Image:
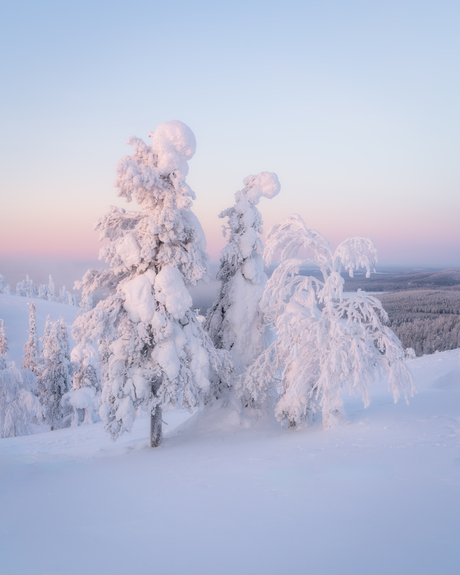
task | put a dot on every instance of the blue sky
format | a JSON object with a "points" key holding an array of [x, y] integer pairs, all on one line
{"points": [[353, 104]]}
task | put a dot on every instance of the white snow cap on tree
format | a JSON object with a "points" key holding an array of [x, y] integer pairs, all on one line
{"points": [[174, 143], [265, 184]]}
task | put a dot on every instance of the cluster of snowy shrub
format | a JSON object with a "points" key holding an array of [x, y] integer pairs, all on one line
{"points": [[27, 288], [291, 343], [39, 393]]}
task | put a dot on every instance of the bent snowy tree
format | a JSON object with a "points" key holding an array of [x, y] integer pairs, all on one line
{"points": [[152, 348], [325, 342], [234, 322]]}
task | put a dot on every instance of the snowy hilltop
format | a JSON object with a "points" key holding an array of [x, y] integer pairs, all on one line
{"points": [[379, 495]]}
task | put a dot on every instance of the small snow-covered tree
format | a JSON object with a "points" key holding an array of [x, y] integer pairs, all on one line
{"points": [[31, 358], [2, 283], [42, 291], [65, 296], [234, 322], [55, 379], [19, 407], [3, 339], [51, 296], [22, 288], [152, 348], [64, 339], [325, 342]]}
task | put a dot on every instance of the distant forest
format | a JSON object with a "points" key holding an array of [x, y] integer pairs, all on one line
{"points": [[423, 306], [425, 320]]}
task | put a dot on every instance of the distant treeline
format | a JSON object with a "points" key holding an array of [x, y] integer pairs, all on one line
{"points": [[425, 320]]}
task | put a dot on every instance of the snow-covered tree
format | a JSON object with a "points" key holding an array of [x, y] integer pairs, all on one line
{"points": [[65, 296], [234, 322], [3, 339], [51, 290], [152, 348], [64, 339], [19, 407], [31, 358], [56, 376], [42, 291], [2, 283], [87, 302], [22, 288], [325, 342]]}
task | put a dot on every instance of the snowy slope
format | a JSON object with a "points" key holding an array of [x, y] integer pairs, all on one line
{"points": [[380, 495], [15, 313]]}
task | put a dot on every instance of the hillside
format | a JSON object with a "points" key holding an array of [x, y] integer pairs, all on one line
{"points": [[379, 495]]}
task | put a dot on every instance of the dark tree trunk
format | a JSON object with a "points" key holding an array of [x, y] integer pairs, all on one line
{"points": [[156, 421], [156, 431]]}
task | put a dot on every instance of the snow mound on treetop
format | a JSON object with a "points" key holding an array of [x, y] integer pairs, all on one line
{"points": [[265, 184], [174, 143]]}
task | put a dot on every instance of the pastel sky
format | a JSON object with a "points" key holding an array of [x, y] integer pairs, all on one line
{"points": [[354, 104]]}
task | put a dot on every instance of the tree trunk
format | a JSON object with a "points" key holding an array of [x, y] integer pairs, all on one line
{"points": [[156, 421], [156, 432]]}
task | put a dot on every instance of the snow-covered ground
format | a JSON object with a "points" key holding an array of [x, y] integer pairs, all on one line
{"points": [[380, 495]]}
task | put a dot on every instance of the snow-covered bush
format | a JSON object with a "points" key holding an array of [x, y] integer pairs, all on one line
{"points": [[325, 343], [234, 322], [85, 405], [86, 388], [152, 348], [55, 379]]}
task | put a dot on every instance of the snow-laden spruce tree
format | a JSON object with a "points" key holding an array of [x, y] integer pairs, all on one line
{"points": [[325, 343], [31, 359], [55, 378], [50, 292], [19, 406], [234, 322], [152, 348]]}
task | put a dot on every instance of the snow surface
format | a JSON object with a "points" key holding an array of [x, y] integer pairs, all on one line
{"points": [[377, 496]]}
